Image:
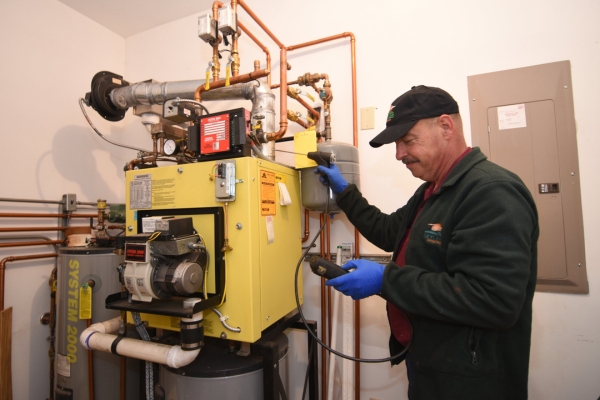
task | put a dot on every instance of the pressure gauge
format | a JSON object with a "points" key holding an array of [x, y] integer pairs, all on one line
{"points": [[169, 147]]}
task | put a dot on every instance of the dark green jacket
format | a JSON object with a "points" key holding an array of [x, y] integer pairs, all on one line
{"points": [[468, 282]]}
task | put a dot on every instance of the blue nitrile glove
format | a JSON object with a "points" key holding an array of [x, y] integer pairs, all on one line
{"points": [[334, 176], [366, 280]]}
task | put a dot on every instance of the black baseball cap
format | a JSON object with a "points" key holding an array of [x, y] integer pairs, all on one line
{"points": [[420, 102]]}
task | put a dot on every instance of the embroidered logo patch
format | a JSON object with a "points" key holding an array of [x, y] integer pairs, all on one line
{"points": [[434, 234], [390, 114]]}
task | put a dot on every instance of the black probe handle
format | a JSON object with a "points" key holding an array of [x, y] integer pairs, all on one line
{"points": [[320, 157], [325, 268]]}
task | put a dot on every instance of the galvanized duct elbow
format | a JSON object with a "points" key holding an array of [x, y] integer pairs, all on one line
{"points": [[148, 93]]}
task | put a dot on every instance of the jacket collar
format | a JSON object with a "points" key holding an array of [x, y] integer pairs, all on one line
{"points": [[474, 157]]}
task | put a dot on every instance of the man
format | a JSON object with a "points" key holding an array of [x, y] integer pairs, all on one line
{"points": [[464, 257]]}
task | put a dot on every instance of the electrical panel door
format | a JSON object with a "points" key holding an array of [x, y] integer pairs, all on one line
{"points": [[523, 119]]}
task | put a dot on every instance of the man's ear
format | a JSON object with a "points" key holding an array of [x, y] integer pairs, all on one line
{"points": [[447, 124]]}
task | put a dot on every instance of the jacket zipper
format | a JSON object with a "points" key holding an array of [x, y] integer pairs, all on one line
{"points": [[474, 343]]}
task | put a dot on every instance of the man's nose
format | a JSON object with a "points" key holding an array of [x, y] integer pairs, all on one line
{"points": [[400, 150]]}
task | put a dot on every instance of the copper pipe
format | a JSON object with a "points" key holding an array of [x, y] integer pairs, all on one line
{"points": [[294, 95], [282, 98], [353, 60], [293, 117], [323, 319], [236, 79], [355, 142], [311, 110], [146, 157], [257, 20], [16, 258], [216, 68], [26, 215], [306, 226], [21, 244], [90, 359], [34, 229], [289, 83], [235, 54], [283, 65], [262, 46]]}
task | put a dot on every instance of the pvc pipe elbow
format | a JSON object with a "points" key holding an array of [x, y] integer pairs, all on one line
{"points": [[177, 357]]}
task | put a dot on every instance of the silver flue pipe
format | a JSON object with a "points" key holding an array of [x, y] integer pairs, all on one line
{"points": [[258, 92]]}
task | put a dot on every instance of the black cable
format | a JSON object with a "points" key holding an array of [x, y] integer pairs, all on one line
{"points": [[337, 353]]}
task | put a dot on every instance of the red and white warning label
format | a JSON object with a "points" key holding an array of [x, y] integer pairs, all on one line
{"points": [[214, 134]]}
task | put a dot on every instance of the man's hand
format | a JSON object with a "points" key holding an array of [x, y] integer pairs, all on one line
{"points": [[366, 280], [333, 176]]}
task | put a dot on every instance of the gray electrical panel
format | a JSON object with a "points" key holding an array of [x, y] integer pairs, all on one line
{"points": [[523, 120]]}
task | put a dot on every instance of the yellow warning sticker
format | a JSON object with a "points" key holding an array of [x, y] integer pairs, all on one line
{"points": [[280, 178], [268, 194], [85, 302]]}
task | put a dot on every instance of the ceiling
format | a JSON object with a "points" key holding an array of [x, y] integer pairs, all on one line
{"points": [[128, 17]]}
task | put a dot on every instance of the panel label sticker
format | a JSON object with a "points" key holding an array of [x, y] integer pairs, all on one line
{"points": [[140, 192], [511, 117]]}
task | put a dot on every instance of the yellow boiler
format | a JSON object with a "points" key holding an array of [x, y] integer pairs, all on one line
{"points": [[250, 222]]}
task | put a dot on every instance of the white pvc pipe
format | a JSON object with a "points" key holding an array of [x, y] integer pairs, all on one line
{"points": [[100, 336]]}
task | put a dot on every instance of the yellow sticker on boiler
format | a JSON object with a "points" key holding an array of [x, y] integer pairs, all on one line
{"points": [[280, 178], [85, 302], [268, 194]]}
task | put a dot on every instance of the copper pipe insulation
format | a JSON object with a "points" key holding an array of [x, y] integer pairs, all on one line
{"points": [[16, 258], [263, 48], [26, 215], [306, 227], [90, 360]]}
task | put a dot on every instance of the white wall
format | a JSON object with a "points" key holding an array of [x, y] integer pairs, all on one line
{"points": [[49, 55], [399, 44]]}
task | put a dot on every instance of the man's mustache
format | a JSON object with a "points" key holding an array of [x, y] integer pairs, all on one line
{"points": [[409, 160]]}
